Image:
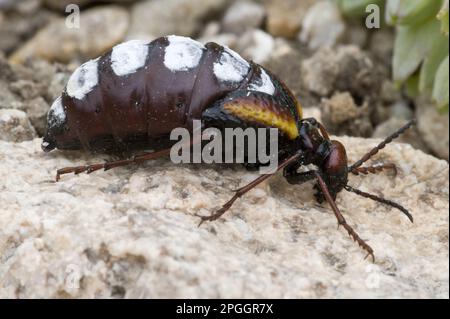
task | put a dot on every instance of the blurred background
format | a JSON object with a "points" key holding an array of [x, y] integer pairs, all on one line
{"points": [[362, 67]]}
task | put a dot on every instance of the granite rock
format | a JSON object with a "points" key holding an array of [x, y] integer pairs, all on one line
{"points": [[242, 16], [323, 25], [155, 18], [131, 232], [57, 42], [433, 127], [15, 126], [284, 17]]}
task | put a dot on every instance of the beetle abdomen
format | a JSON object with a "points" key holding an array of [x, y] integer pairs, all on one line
{"points": [[142, 90]]}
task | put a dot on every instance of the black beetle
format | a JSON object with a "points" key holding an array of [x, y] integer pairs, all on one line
{"points": [[134, 95]]}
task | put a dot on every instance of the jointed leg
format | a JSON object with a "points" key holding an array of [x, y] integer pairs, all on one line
{"points": [[341, 219], [380, 200], [380, 146], [299, 178], [108, 165], [374, 169], [241, 191]]}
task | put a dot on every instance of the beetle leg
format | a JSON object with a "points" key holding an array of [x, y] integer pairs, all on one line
{"points": [[241, 191], [382, 145], [137, 159], [108, 165], [374, 169], [299, 178], [341, 219]]}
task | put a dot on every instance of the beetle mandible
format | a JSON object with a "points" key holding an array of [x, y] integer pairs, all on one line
{"points": [[134, 95]]}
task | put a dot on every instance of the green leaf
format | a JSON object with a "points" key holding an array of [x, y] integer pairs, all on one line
{"points": [[440, 89], [412, 44], [356, 8], [412, 85], [411, 12], [443, 17], [432, 61]]}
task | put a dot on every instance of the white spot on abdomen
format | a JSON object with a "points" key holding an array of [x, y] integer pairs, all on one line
{"points": [[182, 53], [83, 80], [56, 115], [127, 57], [263, 84], [231, 67]]}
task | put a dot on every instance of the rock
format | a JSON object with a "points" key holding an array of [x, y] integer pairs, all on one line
{"points": [[15, 126], [242, 16], [62, 4], [132, 233], [37, 109], [355, 34], [57, 84], [345, 68], [341, 115], [7, 98], [382, 45], [6, 4], [211, 29], [284, 17], [27, 89], [256, 45], [56, 42], [211, 33], [7, 75], [285, 62], [20, 24], [155, 18], [226, 39], [433, 127], [391, 102], [31, 88], [411, 136], [322, 26], [21, 6]]}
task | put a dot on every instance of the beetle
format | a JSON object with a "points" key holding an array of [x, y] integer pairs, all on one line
{"points": [[134, 95]]}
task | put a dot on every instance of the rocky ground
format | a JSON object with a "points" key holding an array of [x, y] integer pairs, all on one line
{"points": [[130, 232]]}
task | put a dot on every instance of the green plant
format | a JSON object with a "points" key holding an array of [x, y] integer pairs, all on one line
{"points": [[421, 56]]}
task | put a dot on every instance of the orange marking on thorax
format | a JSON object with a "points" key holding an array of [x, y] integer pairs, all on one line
{"points": [[263, 112]]}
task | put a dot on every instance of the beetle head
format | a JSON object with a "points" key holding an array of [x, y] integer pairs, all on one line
{"points": [[328, 155], [334, 167]]}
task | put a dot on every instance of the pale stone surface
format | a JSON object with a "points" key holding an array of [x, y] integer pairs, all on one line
{"points": [[15, 126], [433, 127], [100, 29], [322, 26], [242, 16], [345, 68], [284, 17], [130, 232], [342, 115], [155, 18], [256, 45]]}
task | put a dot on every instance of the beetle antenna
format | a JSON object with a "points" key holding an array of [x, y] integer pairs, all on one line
{"points": [[380, 200], [386, 141]]}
